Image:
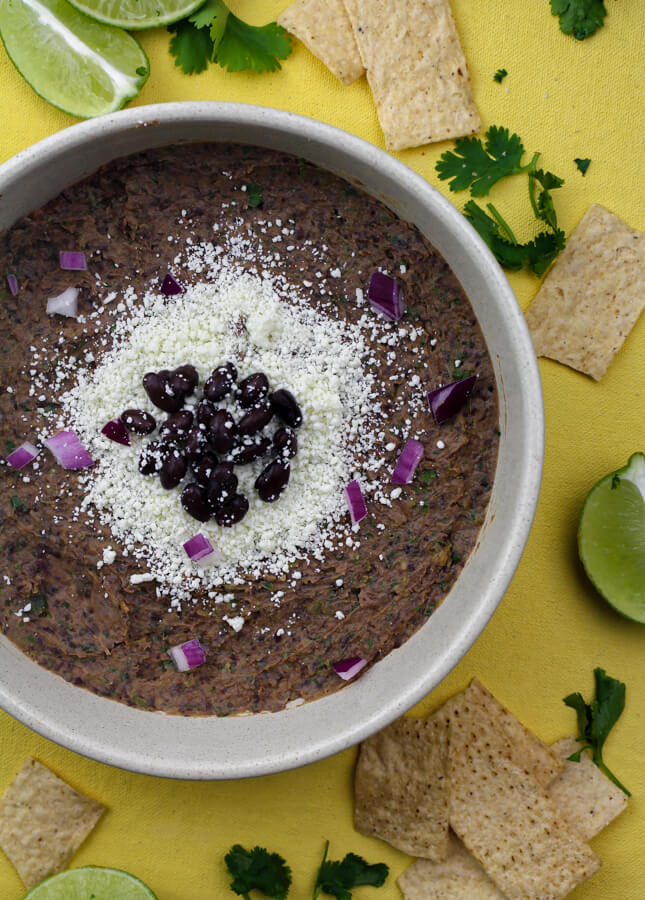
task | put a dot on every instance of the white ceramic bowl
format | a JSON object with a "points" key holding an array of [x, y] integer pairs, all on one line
{"points": [[207, 748]]}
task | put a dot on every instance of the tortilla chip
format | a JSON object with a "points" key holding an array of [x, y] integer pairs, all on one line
{"points": [[416, 70], [325, 29], [458, 877], [401, 790], [583, 794], [43, 822], [505, 818], [592, 296], [523, 748]]}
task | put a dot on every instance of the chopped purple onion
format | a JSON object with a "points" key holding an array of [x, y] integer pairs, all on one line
{"points": [[407, 462], [386, 296], [347, 668], [201, 551], [69, 451], [170, 286], [116, 431], [446, 401], [355, 501], [22, 455], [65, 304], [12, 281], [72, 261], [187, 656]]}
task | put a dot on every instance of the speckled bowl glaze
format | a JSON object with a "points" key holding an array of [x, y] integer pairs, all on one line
{"points": [[210, 747]]}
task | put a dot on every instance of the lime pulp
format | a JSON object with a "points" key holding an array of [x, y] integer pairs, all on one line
{"points": [[137, 14], [611, 538], [79, 65], [91, 882]]}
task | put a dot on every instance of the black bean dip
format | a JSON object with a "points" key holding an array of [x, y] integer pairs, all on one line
{"points": [[271, 635]]}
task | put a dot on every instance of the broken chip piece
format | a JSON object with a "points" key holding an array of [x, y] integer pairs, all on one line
{"points": [[592, 296], [43, 822]]}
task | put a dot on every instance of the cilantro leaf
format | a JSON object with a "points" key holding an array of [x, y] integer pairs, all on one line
{"points": [[338, 878], [500, 75], [191, 46], [252, 47], [211, 11], [582, 164], [260, 870], [536, 255], [17, 504], [255, 194], [581, 18], [595, 720], [478, 167]]}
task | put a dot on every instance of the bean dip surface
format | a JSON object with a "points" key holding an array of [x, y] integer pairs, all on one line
{"points": [[273, 257]]}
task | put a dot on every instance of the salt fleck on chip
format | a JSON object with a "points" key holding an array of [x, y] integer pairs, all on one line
{"points": [[43, 822], [592, 296]]}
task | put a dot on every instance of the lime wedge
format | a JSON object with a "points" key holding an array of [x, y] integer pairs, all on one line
{"points": [[82, 67], [611, 538], [137, 14], [91, 882]]}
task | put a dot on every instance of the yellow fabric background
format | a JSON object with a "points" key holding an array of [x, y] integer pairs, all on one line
{"points": [[566, 99]]}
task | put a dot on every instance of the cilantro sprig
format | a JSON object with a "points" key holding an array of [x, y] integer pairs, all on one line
{"points": [[260, 870], [339, 877], [596, 719], [477, 166], [581, 18], [214, 34]]}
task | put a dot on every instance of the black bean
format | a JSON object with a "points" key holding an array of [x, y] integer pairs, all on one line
{"points": [[286, 408], [249, 448], [222, 431], [195, 443], [161, 393], [191, 375], [253, 388], [255, 419], [139, 421], [203, 468], [285, 443], [177, 425], [193, 499], [233, 512], [220, 382], [180, 384], [272, 481], [205, 412], [151, 458], [221, 488], [173, 469]]}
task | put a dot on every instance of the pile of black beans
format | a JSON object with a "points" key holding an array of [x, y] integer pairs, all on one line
{"points": [[204, 442]]}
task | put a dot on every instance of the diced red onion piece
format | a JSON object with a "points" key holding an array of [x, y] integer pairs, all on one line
{"points": [[386, 296], [201, 551], [170, 286], [22, 455], [69, 451], [355, 501], [347, 668], [407, 462], [72, 261], [12, 281], [446, 401], [116, 431], [65, 304], [187, 656]]}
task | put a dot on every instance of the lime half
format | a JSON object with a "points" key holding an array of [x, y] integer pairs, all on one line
{"points": [[137, 14], [82, 67], [91, 882], [611, 538]]}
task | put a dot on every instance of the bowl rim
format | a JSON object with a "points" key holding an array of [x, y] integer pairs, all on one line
{"points": [[243, 746]]}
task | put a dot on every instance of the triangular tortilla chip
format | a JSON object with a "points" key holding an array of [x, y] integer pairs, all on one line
{"points": [[458, 877], [325, 29]]}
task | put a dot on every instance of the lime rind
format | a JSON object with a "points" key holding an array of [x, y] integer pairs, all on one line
{"points": [[135, 15], [611, 538], [97, 882], [80, 66]]}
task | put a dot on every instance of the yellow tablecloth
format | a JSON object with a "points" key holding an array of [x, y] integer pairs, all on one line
{"points": [[566, 99]]}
